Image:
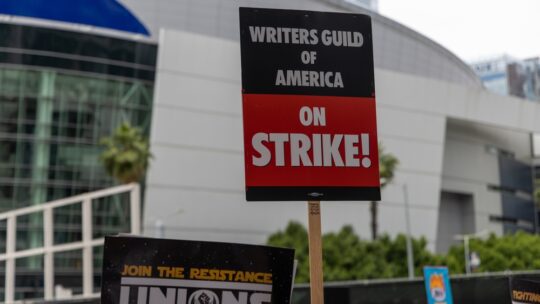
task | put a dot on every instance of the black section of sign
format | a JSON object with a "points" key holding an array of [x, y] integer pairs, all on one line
{"points": [[524, 291], [122, 251], [312, 193], [261, 61]]}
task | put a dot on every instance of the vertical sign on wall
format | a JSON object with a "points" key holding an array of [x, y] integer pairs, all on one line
{"points": [[308, 95], [437, 283]]}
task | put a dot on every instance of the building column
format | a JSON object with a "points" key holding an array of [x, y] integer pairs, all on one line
{"points": [[41, 156]]}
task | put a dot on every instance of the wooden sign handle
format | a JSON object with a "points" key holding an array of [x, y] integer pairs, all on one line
{"points": [[315, 253]]}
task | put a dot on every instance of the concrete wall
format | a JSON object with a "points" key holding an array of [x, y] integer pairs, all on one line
{"points": [[456, 217], [396, 47], [195, 185], [473, 154], [469, 168], [196, 182]]}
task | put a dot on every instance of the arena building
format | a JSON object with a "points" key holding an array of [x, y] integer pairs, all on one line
{"points": [[69, 77], [465, 153]]}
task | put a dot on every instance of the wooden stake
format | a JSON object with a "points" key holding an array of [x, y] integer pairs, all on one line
{"points": [[315, 253]]}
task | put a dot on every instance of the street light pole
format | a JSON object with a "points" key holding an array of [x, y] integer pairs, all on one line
{"points": [[466, 250], [467, 255], [410, 253]]}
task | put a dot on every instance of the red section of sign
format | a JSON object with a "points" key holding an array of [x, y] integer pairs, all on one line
{"points": [[351, 117]]}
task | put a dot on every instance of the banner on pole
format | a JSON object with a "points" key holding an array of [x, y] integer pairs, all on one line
{"points": [[437, 284]]}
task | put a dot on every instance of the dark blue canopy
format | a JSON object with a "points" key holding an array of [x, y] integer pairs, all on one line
{"points": [[101, 13]]}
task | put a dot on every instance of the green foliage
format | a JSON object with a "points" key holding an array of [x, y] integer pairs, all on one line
{"points": [[126, 155], [520, 251], [295, 236], [347, 257], [387, 165]]}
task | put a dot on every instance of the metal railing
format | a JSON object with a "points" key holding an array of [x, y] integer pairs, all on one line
{"points": [[48, 249]]}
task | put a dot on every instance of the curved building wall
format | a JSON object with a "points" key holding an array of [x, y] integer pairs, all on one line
{"points": [[396, 47], [196, 182], [60, 93]]}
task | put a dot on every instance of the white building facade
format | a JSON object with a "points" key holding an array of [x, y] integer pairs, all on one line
{"points": [[464, 153]]}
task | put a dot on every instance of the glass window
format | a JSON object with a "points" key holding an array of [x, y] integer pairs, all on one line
{"points": [[51, 124]]}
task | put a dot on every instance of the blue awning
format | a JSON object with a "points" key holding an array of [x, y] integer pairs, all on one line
{"points": [[108, 14]]}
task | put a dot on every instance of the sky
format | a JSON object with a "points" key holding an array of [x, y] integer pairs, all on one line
{"points": [[473, 29]]}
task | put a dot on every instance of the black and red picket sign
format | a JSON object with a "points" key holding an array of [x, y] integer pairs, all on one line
{"points": [[310, 130]]}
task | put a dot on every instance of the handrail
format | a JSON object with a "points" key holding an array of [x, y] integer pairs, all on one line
{"points": [[48, 249], [68, 201]]}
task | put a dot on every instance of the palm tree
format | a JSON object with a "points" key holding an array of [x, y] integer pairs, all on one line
{"points": [[387, 166], [126, 155]]}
